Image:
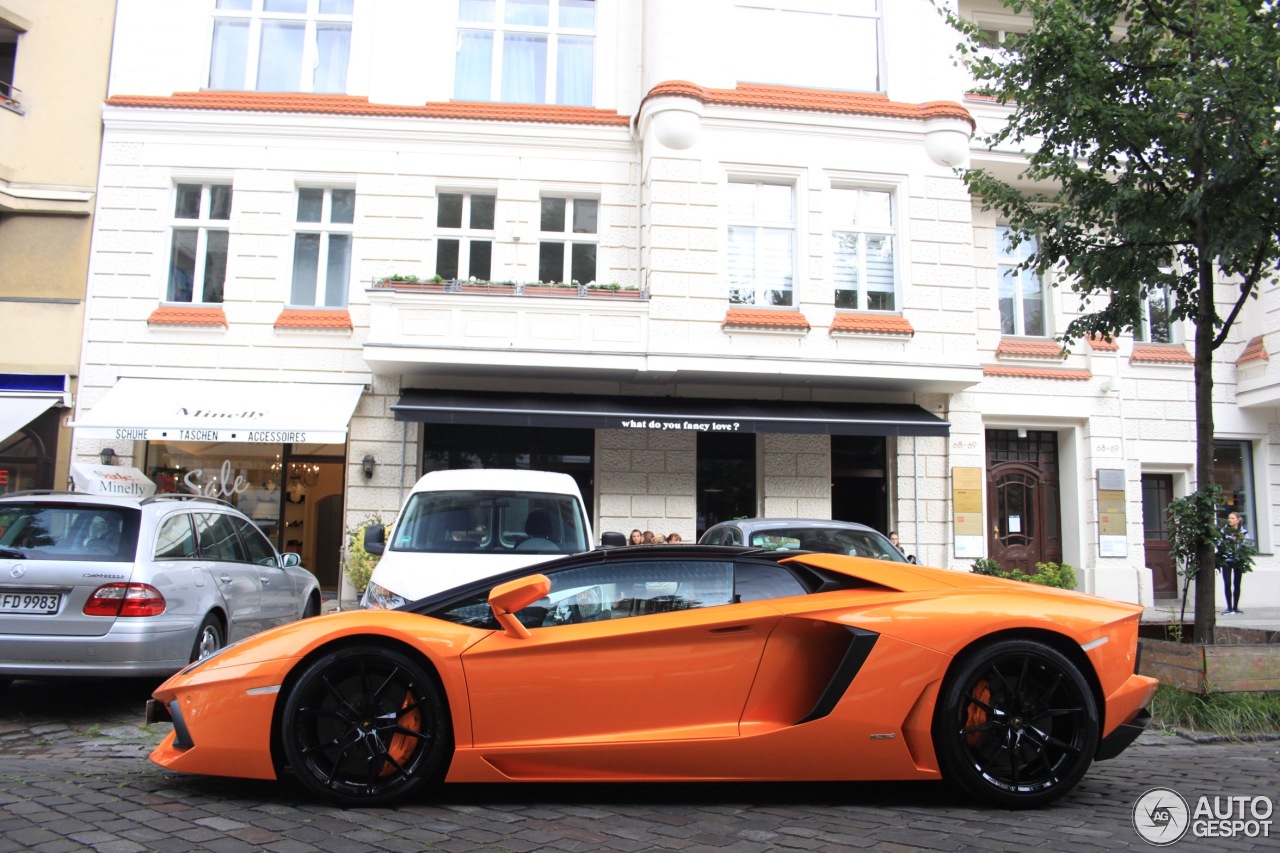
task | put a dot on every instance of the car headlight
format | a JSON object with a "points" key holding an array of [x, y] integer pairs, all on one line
{"points": [[380, 598]]}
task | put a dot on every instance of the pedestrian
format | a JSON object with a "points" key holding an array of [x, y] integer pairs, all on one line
{"points": [[1234, 558], [893, 537], [646, 538], [673, 538], [637, 538], [659, 539]]}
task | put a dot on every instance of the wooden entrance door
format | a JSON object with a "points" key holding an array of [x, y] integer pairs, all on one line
{"points": [[1024, 509], [1157, 491]]}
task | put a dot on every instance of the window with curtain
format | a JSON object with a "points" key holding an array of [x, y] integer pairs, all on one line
{"points": [[526, 51], [1020, 292], [567, 240], [281, 45], [322, 247], [1233, 471], [832, 44], [464, 245], [863, 265], [198, 246], [761, 242], [1156, 325]]}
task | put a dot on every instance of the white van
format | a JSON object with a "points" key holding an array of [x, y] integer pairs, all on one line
{"points": [[465, 524]]}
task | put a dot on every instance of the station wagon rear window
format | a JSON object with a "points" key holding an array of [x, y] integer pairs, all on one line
{"points": [[65, 531]]}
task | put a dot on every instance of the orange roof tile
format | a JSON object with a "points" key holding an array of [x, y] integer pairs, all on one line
{"points": [[184, 315], [292, 102], [1255, 350], [873, 324], [1035, 372], [813, 100], [307, 318], [1104, 344], [765, 318], [1025, 348], [1161, 354]]}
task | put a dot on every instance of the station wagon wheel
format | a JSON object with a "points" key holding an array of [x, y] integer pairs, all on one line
{"points": [[1016, 724], [365, 725], [208, 639]]}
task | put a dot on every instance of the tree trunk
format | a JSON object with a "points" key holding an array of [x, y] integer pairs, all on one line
{"points": [[1206, 599]]}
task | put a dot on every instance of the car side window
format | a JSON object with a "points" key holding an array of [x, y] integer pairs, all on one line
{"points": [[218, 539], [177, 539], [764, 581], [256, 545]]}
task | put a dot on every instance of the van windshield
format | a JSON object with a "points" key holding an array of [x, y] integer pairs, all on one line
{"points": [[491, 522]]}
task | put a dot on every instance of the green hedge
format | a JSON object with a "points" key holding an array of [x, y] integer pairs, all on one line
{"points": [[1046, 574]]}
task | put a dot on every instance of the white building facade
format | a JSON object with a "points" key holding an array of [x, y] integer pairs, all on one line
{"points": [[342, 242]]}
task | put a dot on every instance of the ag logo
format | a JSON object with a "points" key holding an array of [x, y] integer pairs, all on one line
{"points": [[1161, 816]]}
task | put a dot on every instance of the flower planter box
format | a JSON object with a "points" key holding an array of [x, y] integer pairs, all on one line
{"points": [[605, 293], [496, 289], [550, 291], [1220, 668], [415, 286]]}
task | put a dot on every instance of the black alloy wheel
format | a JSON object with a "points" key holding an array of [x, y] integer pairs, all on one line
{"points": [[365, 725], [1016, 724]]}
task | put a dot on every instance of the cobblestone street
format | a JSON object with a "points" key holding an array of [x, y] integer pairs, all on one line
{"points": [[74, 776]]}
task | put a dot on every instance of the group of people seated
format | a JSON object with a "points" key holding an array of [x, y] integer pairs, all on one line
{"points": [[648, 537]]}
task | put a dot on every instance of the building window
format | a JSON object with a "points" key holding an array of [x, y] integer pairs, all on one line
{"points": [[838, 43], [526, 51], [281, 45], [568, 240], [464, 248], [8, 62], [1020, 292], [761, 243], [1156, 325], [199, 247], [1233, 471], [322, 247], [864, 250]]}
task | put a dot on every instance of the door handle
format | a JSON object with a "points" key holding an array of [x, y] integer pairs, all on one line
{"points": [[265, 581], [225, 578]]}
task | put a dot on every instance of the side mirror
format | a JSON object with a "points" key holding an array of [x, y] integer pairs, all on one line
{"points": [[289, 559], [505, 599], [612, 539], [375, 539]]}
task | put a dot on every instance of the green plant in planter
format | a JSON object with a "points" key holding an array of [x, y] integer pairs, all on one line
{"points": [[360, 563], [405, 278], [1046, 574]]}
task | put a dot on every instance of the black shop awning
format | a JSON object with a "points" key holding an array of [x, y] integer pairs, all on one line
{"points": [[666, 413]]}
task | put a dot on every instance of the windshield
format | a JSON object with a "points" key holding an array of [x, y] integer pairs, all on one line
{"points": [[491, 522], [63, 531], [855, 543]]}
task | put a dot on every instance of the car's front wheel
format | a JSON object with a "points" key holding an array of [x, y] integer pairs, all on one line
{"points": [[1016, 724], [366, 725]]}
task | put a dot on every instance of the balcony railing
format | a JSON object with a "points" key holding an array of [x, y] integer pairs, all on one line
{"points": [[10, 96]]}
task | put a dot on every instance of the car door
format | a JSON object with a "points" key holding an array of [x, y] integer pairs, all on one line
{"points": [[235, 577], [279, 600], [629, 651]]}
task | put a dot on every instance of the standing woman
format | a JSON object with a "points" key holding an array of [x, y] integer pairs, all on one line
{"points": [[1235, 557]]}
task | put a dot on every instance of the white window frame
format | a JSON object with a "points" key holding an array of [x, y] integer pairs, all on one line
{"points": [[861, 234], [466, 234], [325, 229], [1173, 329], [759, 225], [255, 15], [568, 237], [498, 29], [1006, 265], [202, 224]]}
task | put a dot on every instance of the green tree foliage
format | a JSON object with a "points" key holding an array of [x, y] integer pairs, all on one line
{"points": [[1153, 123]]}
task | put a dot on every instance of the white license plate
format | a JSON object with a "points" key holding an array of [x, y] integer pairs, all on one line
{"points": [[43, 603]]}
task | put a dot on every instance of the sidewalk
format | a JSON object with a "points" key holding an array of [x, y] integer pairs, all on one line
{"points": [[1257, 618]]}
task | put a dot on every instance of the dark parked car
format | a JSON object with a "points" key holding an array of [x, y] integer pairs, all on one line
{"points": [[805, 534]]}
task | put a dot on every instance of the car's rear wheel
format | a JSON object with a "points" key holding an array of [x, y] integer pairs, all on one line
{"points": [[1016, 724], [208, 639], [365, 725], [313, 607]]}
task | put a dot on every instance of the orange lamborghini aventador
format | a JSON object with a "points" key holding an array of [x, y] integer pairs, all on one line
{"points": [[677, 662]]}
